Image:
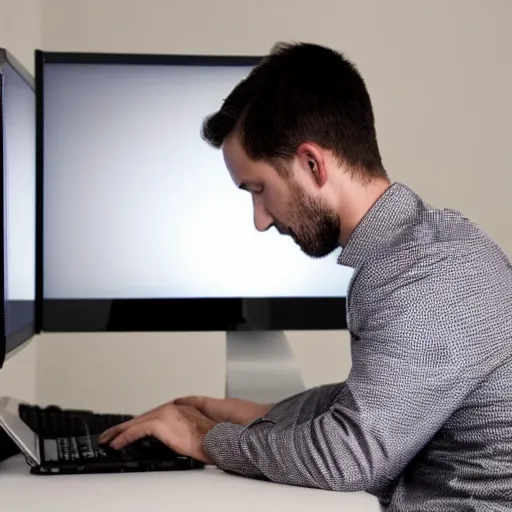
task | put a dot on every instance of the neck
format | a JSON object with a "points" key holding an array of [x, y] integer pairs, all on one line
{"points": [[358, 198]]}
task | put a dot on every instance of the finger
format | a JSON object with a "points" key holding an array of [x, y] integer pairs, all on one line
{"points": [[110, 433], [114, 431], [151, 428], [186, 400]]}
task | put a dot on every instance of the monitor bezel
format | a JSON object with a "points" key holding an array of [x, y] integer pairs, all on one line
{"points": [[143, 315], [7, 57], [14, 341], [3, 328]]}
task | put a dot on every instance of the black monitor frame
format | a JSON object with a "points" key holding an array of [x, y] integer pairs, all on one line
{"points": [[11, 341], [208, 314], [3, 328]]}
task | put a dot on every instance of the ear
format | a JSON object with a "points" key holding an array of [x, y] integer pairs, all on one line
{"points": [[311, 159]]}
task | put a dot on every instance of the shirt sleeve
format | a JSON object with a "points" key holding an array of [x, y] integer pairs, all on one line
{"points": [[315, 401], [223, 441], [411, 369]]}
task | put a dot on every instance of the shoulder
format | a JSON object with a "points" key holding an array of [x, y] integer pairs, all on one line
{"points": [[441, 269], [437, 246]]}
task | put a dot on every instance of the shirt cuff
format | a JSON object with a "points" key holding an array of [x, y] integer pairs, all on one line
{"points": [[224, 446]]}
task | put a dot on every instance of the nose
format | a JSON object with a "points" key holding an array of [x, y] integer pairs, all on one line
{"points": [[262, 219]]}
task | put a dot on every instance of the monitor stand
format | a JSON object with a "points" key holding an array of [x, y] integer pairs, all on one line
{"points": [[261, 367]]}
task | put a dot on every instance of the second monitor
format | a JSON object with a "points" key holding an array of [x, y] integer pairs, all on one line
{"points": [[142, 228], [18, 200]]}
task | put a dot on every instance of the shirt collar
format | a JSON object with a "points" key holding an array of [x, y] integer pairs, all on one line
{"points": [[382, 224]]}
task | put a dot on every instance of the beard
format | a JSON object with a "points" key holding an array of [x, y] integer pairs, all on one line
{"points": [[316, 228]]}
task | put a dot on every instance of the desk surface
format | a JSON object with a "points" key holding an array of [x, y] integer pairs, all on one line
{"points": [[209, 489]]}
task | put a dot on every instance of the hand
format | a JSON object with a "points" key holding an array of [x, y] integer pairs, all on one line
{"points": [[181, 428], [230, 410]]}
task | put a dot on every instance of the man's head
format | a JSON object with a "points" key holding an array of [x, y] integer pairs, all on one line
{"points": [[298, 134]]}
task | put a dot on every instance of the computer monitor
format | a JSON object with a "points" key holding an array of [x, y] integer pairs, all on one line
{"points": [[143, 229], [17, 164]]}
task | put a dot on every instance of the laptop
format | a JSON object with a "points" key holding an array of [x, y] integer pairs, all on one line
{"points": [[63, 441]]}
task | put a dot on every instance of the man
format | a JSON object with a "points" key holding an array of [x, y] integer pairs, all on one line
{"points": [[424, 420]]}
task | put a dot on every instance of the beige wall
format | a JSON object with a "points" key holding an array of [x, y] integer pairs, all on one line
{"points": [[20, 29], [440, 75]]}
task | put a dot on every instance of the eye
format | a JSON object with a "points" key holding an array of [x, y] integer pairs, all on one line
{"points": [[252, 188]]}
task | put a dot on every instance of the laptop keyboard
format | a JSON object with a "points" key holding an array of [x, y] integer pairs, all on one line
{"points": [[53, 422], [80, 448], [77, 435]]}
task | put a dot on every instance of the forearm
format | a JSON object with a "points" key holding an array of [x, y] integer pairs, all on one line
{"points": [[310, 454], [234, 447], [240, 412]]}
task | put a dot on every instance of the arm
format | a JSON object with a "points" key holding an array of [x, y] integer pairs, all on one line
{"points": [[412, 368], [371, 432], [316, 401], [243, 412]]}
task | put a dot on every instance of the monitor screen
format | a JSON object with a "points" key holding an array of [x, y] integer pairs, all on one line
{"points": [[19, 200], [140, 215]]}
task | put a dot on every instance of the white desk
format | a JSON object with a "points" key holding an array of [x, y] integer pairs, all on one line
{"points": [[209, 489]]}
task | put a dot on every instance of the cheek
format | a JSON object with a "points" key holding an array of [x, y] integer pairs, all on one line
{"points": [[273, 204], [278, 198]]}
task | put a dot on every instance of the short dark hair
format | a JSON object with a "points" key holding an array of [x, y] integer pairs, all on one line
{"points": [[301, 92]]}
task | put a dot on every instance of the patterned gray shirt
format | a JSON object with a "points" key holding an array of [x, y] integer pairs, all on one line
{"points": [[424, 419]]}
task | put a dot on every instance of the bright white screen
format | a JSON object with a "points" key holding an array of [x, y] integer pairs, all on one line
{"points": [[137, 205], [19, 176]]}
